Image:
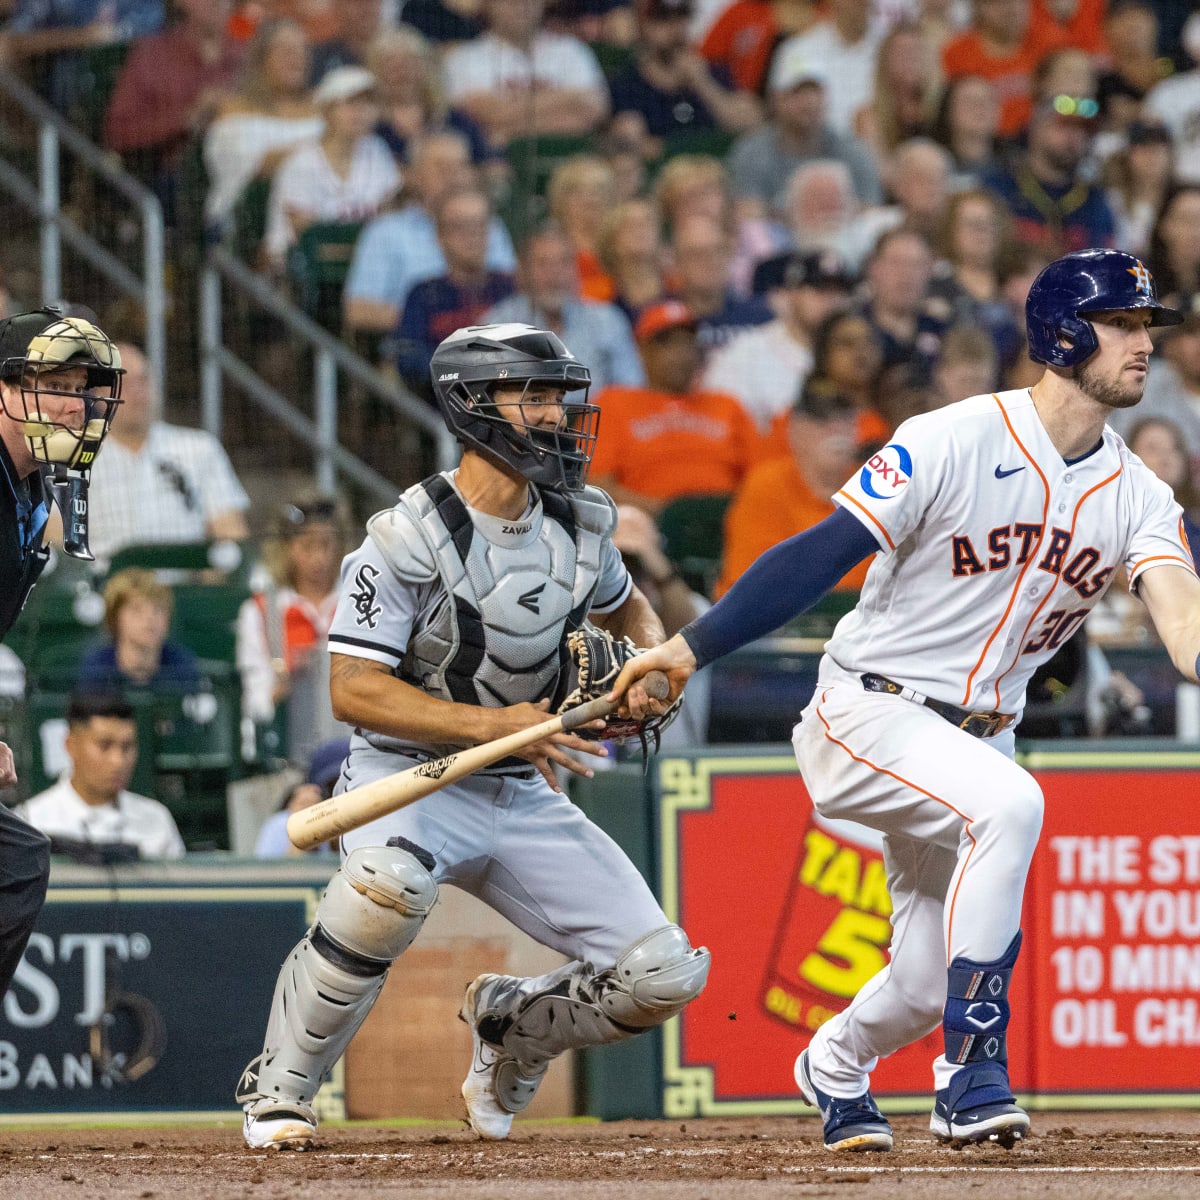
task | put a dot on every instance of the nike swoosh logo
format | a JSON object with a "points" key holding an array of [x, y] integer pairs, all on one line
{"points": [[1001, 474]]}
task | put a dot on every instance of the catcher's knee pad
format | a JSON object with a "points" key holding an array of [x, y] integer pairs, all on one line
{"points": [[576, 1007], [655, 978], [378, 900], [976, 1015], [372, 909]]}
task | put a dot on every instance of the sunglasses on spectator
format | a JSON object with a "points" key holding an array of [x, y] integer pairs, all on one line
{"points": [[1082, 107]]}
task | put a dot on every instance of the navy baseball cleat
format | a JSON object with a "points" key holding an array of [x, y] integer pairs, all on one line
{"points": [[978, 1106], [855, 1125]]}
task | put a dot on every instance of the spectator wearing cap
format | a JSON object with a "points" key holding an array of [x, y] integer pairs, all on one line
{"points": [[285, 622], [670, 87], [346, 175], [765, 367], [359, 22], [790, 492], [324, 768], [667, 440], [744, 36], [1044, 188], [1173, 386], [702, 248], [1003, 44], [598, 333], [517, 79], [1176, 102], [167, 89], [1138, 178], [845, 44], [761, 162], [437, 307]]}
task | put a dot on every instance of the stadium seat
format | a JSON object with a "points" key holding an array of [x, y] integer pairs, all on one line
{"points": [[693, 532], [533, 160], [319, 264]]}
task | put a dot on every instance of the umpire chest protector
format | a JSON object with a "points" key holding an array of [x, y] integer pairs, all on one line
{"points": [[491, 630]]}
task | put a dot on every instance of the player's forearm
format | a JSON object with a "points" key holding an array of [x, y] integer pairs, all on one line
{"points": [[366, 694], [635, 619], [780, 585]]}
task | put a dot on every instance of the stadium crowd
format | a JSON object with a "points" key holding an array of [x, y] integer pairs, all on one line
{"points": [[773, 229]]}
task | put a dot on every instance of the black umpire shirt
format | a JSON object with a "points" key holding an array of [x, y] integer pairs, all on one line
{"points": [[23, 512]]}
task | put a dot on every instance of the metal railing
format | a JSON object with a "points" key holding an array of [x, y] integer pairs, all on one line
{"points": [[330, 356], [41, 197]]}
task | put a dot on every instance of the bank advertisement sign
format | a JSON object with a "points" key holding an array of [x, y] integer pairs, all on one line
{"points": [[796, 913], [144, 999]]}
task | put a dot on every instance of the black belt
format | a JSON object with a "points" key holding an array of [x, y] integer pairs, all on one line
{"points": [[977, 724]]}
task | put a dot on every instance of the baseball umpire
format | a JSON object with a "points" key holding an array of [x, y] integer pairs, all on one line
{"points": [[462, 617], [996, 524], [60, 382]]}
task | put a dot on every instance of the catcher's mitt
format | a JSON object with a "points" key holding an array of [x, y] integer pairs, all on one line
{"points": [[594, 660]]}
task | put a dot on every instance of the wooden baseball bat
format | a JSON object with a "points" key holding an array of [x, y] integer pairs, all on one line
{"points": [[339, 814]]}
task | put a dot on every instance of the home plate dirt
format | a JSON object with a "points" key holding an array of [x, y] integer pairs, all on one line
{"points": [[1080, 1156]]}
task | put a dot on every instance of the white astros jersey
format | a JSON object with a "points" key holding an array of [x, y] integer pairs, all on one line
{"points": [[993, 549]]}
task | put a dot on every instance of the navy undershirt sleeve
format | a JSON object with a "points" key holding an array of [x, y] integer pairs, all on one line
{"points": [[780, 585]]}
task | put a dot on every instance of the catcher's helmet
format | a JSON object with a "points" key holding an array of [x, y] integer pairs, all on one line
{"points": [[33, 346], [1079, 283], [468, 366]]}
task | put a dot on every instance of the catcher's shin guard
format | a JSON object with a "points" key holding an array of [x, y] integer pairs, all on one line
{"points": [[979, 1105], [372, 909], [535, 1020]]}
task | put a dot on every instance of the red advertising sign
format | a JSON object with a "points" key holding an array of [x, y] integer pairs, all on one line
{"points": [[795, 911], [1115, 901]]}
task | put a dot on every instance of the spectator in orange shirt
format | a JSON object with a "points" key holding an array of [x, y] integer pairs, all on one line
{"points": [[785, 495], [1080, 22], [665, 440], [745, 35], [1004, 45]]}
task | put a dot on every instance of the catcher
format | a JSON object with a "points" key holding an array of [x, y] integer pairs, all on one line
{"points": [[463, 617]]}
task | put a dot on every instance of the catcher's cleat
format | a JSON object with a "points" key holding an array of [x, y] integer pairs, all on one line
{"points": [[855, 1124], [278, 1125], [497, 1085]]}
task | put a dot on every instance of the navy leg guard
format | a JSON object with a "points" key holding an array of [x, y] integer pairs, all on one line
{"points": [[979, 1105]]}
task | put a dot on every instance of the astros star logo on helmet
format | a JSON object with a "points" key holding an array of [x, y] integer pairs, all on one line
{"points": [[1143, 279]]}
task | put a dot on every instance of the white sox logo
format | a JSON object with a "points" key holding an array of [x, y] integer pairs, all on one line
{"points": [[435, 769], [364, 599]]}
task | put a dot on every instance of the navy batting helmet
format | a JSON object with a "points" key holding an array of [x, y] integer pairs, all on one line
{"points": [[1083, 282], [469, 365]]}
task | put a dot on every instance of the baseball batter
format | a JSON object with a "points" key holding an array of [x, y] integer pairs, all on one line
{"points": [[449, 631], [996, 524]]}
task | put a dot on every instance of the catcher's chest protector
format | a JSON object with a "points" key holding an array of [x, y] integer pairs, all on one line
{"points": [[497, 634]]}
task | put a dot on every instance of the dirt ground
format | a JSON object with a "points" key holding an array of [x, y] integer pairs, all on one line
{"points": [[1084, 1156]]}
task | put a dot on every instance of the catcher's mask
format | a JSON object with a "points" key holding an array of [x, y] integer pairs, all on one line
{"points": [[36, 349], [471, 364]]}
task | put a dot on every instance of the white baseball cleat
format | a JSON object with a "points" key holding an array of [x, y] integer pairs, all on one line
{"points": [[496, 1086], [279, 1125]]}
